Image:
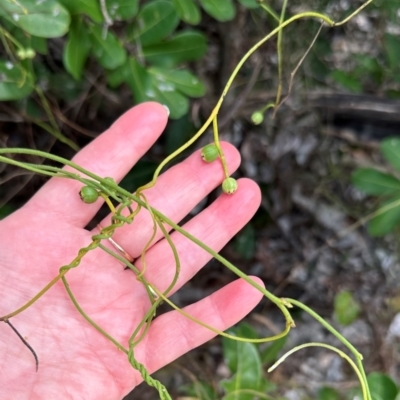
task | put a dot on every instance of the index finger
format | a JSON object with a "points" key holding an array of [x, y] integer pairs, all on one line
{"points": [[112, 154]]}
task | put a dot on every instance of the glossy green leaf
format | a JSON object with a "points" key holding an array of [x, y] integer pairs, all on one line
{"points": [[382, 386], [108, 50], [28, 41], [373, 182], [138, 80], [385, 222], [188, 11], [177, 103], [155, 21], [122, 10], [392, 47], [221, 10], [48, 19], [248, 372], [346, 308], [185, 46], [77, 48], [14, 82], [249, 3], [145, 87], [390, 149], [181, 80], [91, 8]]}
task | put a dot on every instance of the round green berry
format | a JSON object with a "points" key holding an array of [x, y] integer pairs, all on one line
{"points": [[257, 117], [229, 185], [209, 153], [88, 194], [24, 54]]}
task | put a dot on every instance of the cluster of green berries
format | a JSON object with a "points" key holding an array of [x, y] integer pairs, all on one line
{"points": [[210, 153]]}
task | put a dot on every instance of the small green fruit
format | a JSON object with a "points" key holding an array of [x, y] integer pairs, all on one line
{"points": [[209, 153], [229, 185], [88, 194], [257, 117], [24, 54]]}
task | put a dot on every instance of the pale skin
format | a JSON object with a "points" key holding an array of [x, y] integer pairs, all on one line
{"points": [[75, 361]]}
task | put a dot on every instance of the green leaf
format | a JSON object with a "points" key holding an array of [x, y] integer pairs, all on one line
{"points": [[347, 80], [156, 20], [188, 11], [245, 242], [392, 47], [182, 80], [221, 10], [108, 50], [346, 308], [328, 394], [91, 8], [177, 103], [382, 386], [122, 10], [77, 48], [249, 3], [248, 372], [14, 81], [28, 41], [245, 330], [139, 80], [185, 46], [390, 149], [373, 182], [387, 221], [47, 19], [147, 85], [271, 353], [39, 44]]}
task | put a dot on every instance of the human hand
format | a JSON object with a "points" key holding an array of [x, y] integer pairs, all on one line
{"points": [[76, 361]]}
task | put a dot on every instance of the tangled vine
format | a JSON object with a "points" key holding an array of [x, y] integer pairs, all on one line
{"points": [[107, 188]]}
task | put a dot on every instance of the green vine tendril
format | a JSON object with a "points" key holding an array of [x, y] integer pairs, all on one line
{"points": [[133, 203]]}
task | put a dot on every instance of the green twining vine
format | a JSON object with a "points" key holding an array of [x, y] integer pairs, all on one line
{"points": [[130, 204]]}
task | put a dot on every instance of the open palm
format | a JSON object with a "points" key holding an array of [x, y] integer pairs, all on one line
{"points": [[75, 361]]}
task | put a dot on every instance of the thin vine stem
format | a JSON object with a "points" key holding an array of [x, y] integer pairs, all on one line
{"points": [[357, 355], [363, 383], [279, 52]]}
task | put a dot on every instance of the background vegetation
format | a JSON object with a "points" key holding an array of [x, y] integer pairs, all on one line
{"points": [[68, 68]]}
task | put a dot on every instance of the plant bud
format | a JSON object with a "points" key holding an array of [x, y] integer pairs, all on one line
{"points": [[229, 185], [88, 194], [209, 153], [257, 117]]}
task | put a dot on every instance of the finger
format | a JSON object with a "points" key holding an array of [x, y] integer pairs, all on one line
{"points": [[175, 194], [111, 154], [172, 334], [214, 226]]}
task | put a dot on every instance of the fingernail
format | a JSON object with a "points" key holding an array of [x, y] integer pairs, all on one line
{"points": [[166, 107]]}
